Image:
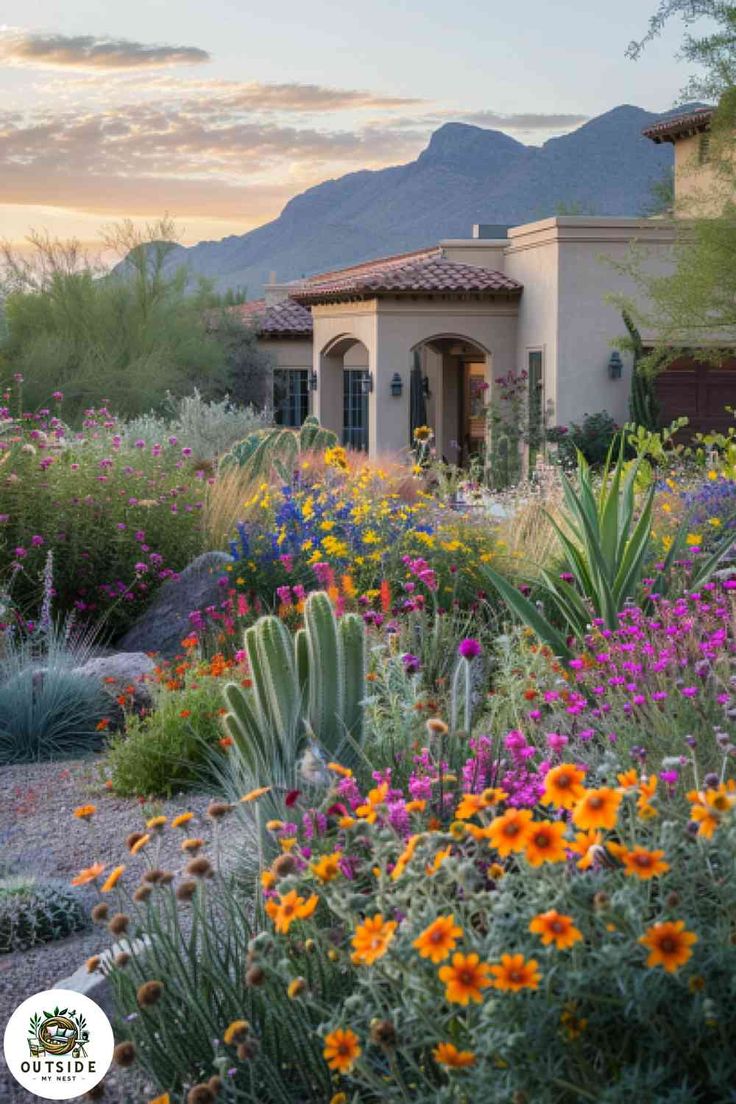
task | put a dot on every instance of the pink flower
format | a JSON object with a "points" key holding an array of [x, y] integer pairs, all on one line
{"points": [[469, 648]]}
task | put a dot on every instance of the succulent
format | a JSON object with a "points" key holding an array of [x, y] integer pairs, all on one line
{"points": [[305, 689], [278, 448], [33, 911]]}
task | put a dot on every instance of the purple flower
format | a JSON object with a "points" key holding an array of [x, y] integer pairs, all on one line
{"points": [[186, 452], [469, 648], [412, 663]]}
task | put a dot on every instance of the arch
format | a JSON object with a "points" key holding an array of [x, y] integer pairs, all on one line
{"points": [[339, 345], [453, 337], [456, 373], [343, 391]]}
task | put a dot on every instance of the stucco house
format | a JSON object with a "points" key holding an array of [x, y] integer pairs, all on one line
{"points": [[454, 318]]}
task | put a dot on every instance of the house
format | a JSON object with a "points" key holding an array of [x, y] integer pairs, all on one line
{"points": [[435, 330], [695, 179]]}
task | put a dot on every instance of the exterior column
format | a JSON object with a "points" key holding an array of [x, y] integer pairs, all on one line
{"points": [[328, 398]]}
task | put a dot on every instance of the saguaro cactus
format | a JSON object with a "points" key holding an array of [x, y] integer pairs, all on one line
{"points": [[307, 687]]}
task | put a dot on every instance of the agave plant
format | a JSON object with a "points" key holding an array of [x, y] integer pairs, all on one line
{"points": [[278, 449], [606, 544]]}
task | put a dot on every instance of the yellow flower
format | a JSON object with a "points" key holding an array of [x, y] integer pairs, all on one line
{"points": [[438, 940], [405, 858], [327, 868], [112, 879], [447, 1054], [182, 819], [342, 1050], [235, 1032], [156, 822], [694, 539]]}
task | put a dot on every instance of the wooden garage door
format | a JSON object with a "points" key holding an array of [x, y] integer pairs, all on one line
{"points": [[699, 391]]}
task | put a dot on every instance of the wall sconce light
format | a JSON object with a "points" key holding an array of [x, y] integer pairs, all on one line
{"points": [[615, 365], [367, 383], [313, 381], [397, 385]]}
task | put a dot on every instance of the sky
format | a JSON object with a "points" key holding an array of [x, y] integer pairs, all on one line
{"points": [[217, 113]]}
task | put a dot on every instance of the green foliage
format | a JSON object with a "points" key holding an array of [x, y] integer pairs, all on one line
{"points": [[593, 438], [606, 542], [34, 911], [167, 750], [306, 689], [643, 405], [47, 710], [279, 449], [208, 427]]}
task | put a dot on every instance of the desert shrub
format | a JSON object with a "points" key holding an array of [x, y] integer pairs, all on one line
{"points": [[208, 428], [33, 911], [593, 437], [47, 709], [167, 749], [120, 519]]}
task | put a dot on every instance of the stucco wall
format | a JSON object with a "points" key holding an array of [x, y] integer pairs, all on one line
{"points": [[697, 189]]}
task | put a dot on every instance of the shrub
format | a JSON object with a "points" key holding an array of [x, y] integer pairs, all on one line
{"points": [[34, 911], [208, 428], [593, 437]]}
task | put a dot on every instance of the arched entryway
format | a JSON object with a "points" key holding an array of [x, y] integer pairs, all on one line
{"points": [[343, 390], [455, 378]]}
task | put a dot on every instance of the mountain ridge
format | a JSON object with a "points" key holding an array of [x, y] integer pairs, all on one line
{"points": [[465, 175]]}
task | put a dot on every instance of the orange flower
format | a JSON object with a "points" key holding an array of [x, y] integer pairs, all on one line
{"points": [[447, 1054], [431, 868], [372, 939], [668, 944], [225, 741], [439, 939], [587, 845], [156, 822], [555, 927], [342, 1049], [89, 874], [112, 879], [290, 908], [545, 842], [85, 812], [405, 858], [253, 795], [102, 725], [563, 786], [509, 832], [184, 713], [641, 863], [465, 978], [164, 1099], [344, 772], [182, 819], [327, 867], [597, 808], [375, 798], [515, 973], [140, 844], [470, 804], [709, 807], [628, 780]]}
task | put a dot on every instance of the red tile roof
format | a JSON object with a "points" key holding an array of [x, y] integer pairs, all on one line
{"points": [[427, 272], [680, 126], [284, 319]]}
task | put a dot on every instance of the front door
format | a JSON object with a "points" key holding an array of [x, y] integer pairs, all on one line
{"points": [[355, 408], [474, 408]]}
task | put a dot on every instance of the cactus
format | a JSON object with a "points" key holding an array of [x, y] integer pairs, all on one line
{"points": [[33, 912], [278, 449], [309, 687], [643, 405]]}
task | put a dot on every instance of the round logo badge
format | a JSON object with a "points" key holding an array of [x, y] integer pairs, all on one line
{"points": [[58, 1044]]}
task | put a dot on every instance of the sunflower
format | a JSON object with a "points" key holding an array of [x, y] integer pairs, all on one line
{"points": [[342, 1049], [545, 843], [89, 874], [439, 939], [327, 868], [597, 809], [515, 973], [563, 786], [555, 927], [422, 433], [668, 944], [640, 863], [372, 939], [290, 908], [447, 1054], [112, 879], [509, 832], [465, 978]]}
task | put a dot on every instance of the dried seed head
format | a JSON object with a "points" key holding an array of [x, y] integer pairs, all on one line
{"points": [[99, 912], [200, 867], [601, 900], [124, 1054], [247, 1050], [215, 1083], [383, 1033], [133, 839], [672, 899], [153, 877], [122, 959], [93, 964], [142, 893], [284, 865], [118, 924], [219, 809], [254, 976], [437, 727], [167, 877], [150, 993], [186, 891], [201, 1094]]}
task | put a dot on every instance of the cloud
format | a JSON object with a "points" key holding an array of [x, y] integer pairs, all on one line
{"points": [[28, 49]]}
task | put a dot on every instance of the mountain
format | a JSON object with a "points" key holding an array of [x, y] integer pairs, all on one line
{"points": [[464, 176]]}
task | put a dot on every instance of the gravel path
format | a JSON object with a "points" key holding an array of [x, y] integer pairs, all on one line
{"points": [[39, 835]]}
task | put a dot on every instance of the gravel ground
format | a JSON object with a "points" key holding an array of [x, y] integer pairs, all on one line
{"points": [[39, 835]]}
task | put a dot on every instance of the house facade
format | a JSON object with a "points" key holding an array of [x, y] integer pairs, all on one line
{"points": [[535, 302]]}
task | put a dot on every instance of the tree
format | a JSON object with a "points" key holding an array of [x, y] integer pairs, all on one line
{"points": [[715, 52], [129, 335]]}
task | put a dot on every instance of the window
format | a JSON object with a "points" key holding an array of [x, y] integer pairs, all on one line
{"points": [[355, 408], [290, 396]]}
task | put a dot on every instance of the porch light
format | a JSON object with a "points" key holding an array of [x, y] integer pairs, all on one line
{"points": [[367, 383], [313, 380], [397, 385], [615, 365]]}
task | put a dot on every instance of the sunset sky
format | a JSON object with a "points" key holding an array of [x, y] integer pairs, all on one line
{"points": [[217, 113]]}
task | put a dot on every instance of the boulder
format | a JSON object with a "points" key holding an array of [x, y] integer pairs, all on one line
{"points": [[124, 667], [96, 985], [165, 623]]}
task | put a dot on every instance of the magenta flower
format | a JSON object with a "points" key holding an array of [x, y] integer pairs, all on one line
{"points": [[469, 648]]}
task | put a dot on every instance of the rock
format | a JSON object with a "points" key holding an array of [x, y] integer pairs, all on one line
{"points": [[165, 623], [96, 985], [124, 667]]}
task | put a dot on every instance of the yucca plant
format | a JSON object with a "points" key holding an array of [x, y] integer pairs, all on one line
{"points": [[606, 544]]}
